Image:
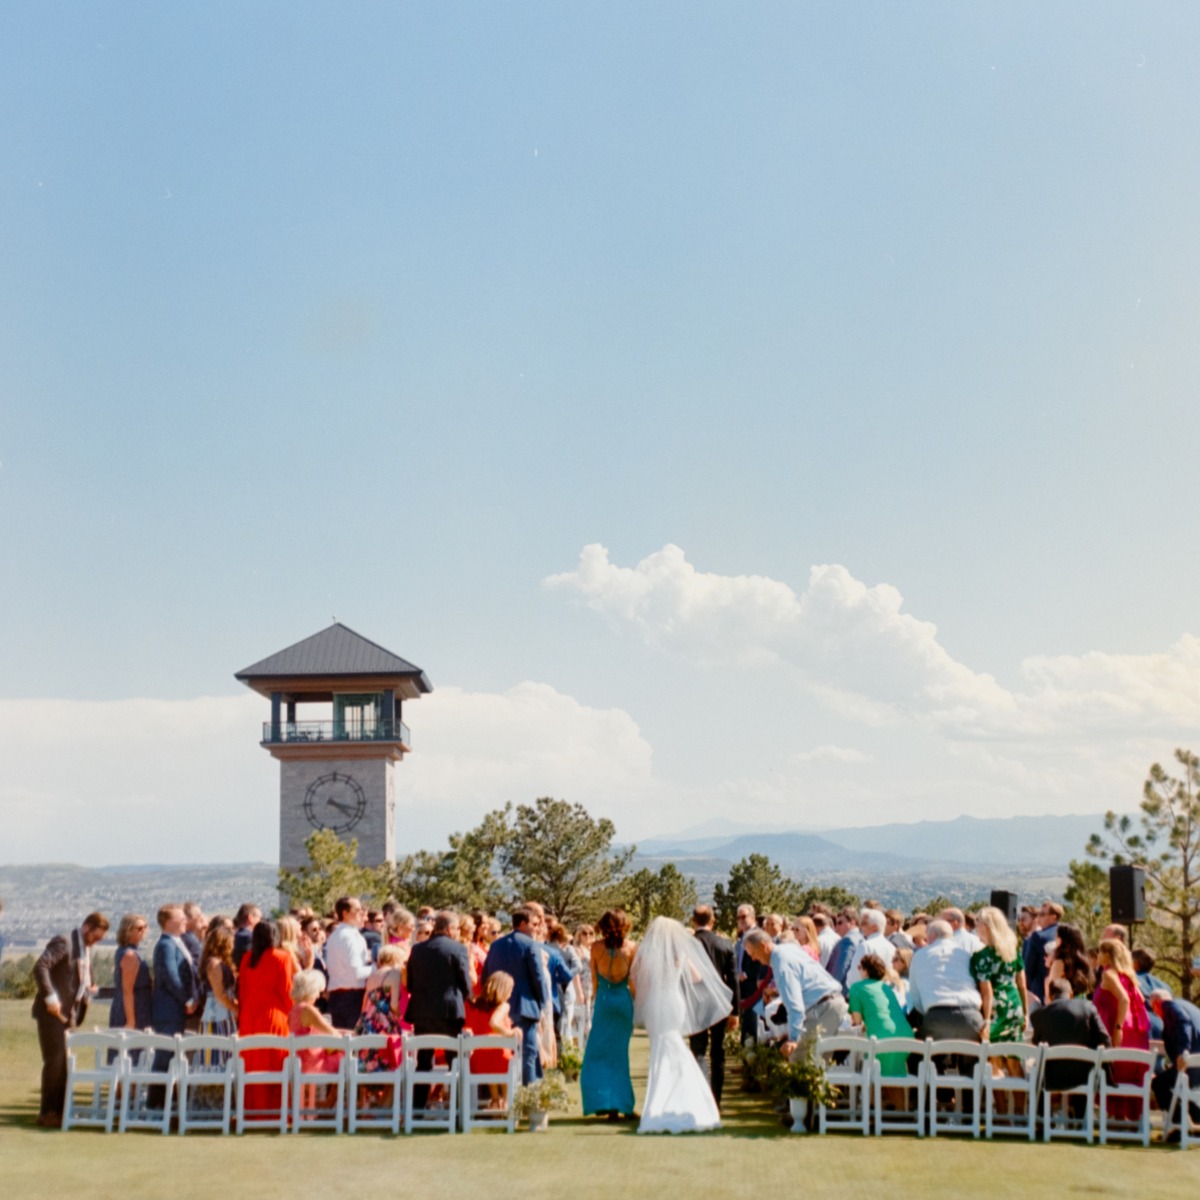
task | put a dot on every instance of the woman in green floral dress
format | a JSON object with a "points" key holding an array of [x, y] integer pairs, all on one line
{"points": [[1000, 974]]}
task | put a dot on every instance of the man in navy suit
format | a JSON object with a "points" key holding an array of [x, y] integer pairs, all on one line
{"points": [[439, 982], [1034, 952], [176, 982], [518, 955]]}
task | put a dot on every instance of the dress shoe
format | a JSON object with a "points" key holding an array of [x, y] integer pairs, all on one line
{"points": [[50, 1120]]}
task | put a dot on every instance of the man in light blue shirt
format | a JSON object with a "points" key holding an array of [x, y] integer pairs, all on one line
{"points": [[811, 996]]}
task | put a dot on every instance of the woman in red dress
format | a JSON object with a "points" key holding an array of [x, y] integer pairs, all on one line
{"points": [[1123, 1011], [264, 1001], [486, 1016]]}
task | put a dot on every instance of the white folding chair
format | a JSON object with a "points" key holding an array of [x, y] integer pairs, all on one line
{"points": [[961, 1075], [1010, 1087], [913, 1080], [471, 1082], [1123, 1129], [250, 1076], [93, 1061], [1062, 1124], [146, 1078], [309, 1072], [852, 1077], [207, 1073], [360, 1115], [443, 1075], [1185, 1093]]}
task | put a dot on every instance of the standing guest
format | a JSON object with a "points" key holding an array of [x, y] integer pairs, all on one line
{"points": [[372, 932], [894, 930], [605, 1082], [871, 924], [822, 918], [466, 935], [1123, 1011], [584, 936], [1117, 933], [719, 949], [1148, 984], [63, 978], [195, 928], [751, 975], [516, 954], [312, 931], [439, 985], [561, 979], [176, 979], [1026, 923], [805, 933], [347, 963], [384, 1007], [244, 921], [812, 997], [961, 932], [264, 1002], [400, 925], [132, 989], [488, 1016], [480, 941], [999, 973], [849, 939], [572, 992], [874, 1007], [1181, 1037], [289, 940], [1034, 954], [1070, 961], [422, 930], [219, 1017], [943, 1001]]}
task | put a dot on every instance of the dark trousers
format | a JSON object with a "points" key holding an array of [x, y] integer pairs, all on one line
{"points": [[425, 1058], [712, 1042], [52, 1038], [531, 1062], [345, 1007], [1163, 1084]]}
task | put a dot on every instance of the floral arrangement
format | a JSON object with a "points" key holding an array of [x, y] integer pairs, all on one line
{"points": [[570, 1062], [804, 1079], [549, 1094]]}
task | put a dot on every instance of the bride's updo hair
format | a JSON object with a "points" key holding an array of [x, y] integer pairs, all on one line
{"points": [[614, 928]]}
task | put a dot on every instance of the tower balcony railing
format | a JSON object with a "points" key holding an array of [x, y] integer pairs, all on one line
{"points": [[337, 731]]}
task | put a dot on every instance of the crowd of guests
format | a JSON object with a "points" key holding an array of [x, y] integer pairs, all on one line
{"points": [[391, 971], [968, 976], [352, 971]]}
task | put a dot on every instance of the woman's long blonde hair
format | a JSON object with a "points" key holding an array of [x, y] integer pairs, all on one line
{"points": [[1000, 937]]}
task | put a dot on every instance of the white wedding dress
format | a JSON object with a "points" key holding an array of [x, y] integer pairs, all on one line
{"points": [[678, 992]]}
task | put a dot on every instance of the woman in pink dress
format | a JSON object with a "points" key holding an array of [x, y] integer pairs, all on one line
{"points": [[1123, 1011], [305, 1018]]}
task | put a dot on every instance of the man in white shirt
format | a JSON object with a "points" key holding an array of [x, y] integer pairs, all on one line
{"points": [[962, 935], [347, 963], [943, 999], [871, 924], [826, 937]]}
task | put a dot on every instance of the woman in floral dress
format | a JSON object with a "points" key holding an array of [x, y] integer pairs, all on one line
{"points": [[383, 1009], [1000, 973]]}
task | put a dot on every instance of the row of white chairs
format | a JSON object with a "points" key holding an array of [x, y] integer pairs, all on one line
{"points": [[950, 1087], [122, 1080]]}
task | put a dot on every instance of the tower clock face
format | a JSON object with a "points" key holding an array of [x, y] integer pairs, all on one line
{"points": [[335, 801]]}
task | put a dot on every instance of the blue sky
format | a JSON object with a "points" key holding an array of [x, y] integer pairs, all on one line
{"points": [[388, 311]]}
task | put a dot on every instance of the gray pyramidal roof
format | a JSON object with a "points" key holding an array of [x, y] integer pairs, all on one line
{"points": [[337, 650]]}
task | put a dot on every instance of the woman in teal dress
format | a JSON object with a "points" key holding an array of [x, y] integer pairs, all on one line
{"points": [[604, 1081]]}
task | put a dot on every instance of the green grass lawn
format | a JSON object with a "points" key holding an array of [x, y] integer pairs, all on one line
{"points": [[752, 1154]]}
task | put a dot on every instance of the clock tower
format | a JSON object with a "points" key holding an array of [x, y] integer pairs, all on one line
{"points": [[337, 772]]}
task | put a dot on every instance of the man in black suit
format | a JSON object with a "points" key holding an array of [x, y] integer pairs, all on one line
{"points": [[712, 1040], [63, 975], [439, 982], [1067, 1022]]}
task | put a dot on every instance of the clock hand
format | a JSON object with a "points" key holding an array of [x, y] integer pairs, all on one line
{"points": [[345, 808]]}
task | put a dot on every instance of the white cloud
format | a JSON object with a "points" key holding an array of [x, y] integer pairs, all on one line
{"points": [[141, 780]]}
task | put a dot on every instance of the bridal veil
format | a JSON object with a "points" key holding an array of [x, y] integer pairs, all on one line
{"points": [[678, 989]]}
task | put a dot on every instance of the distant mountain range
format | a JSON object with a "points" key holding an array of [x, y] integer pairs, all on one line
{"points": [[1048, 842]]}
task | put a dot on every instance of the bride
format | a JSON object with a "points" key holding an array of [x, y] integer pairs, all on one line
{"points": [[677, 992]]}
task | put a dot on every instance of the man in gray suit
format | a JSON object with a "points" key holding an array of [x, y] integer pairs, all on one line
{"points": [[63, 976]]}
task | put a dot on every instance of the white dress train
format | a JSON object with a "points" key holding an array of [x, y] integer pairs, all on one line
{"points": [[678, 1098]]}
